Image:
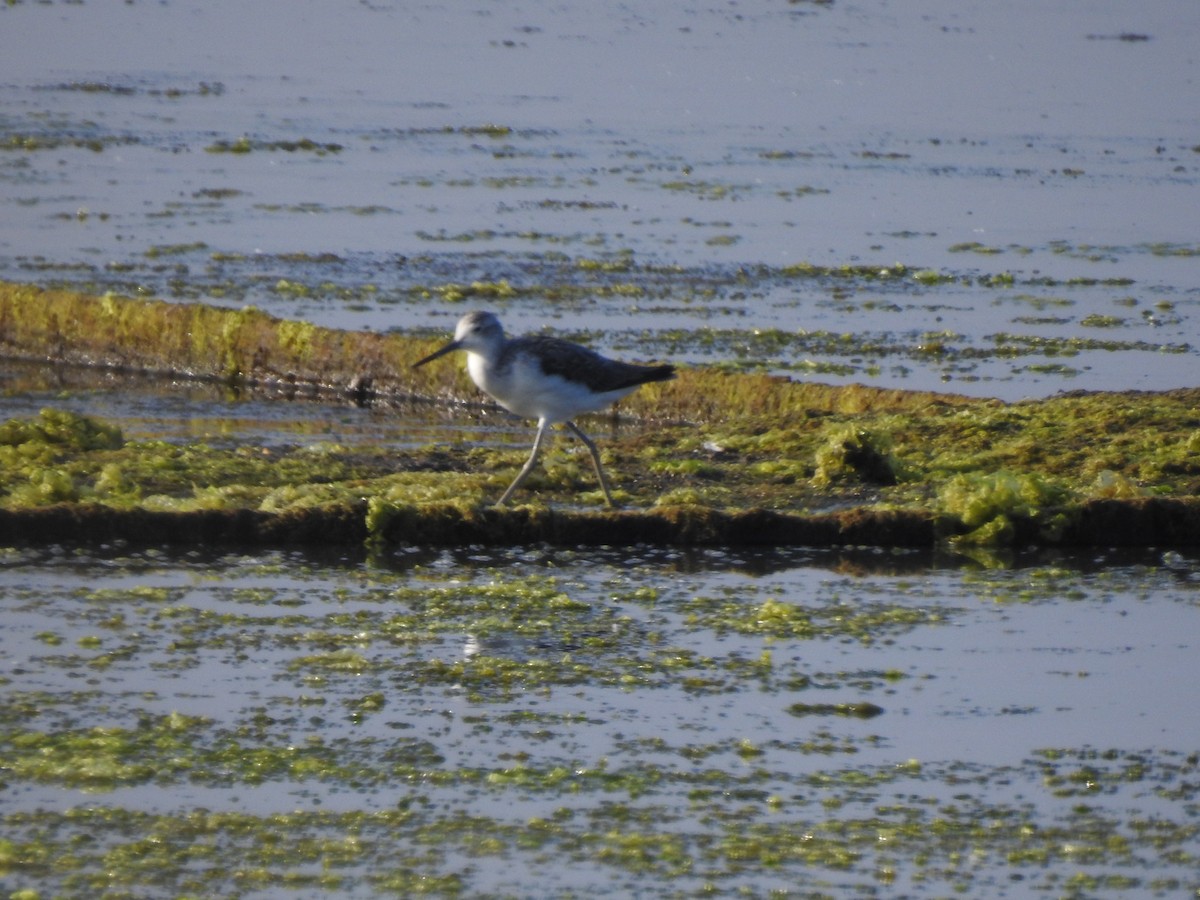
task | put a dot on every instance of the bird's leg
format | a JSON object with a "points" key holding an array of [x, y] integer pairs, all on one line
{"points": [[543, 427], [587, 442]]}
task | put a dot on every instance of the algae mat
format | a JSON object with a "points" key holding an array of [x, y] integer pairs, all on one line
{"points": [[730, 458]]}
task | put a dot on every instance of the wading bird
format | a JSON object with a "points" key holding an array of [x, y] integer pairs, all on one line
{"points": [[544, 378]]}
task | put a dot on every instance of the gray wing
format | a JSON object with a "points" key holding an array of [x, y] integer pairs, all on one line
{"points": [[577, 363]]}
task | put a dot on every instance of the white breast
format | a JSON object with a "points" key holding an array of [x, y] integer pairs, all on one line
{"points": [[523, 388]]}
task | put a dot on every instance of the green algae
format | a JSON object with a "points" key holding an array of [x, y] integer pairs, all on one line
{"points": [[245, 144], [857, 453], [457, 768], [773, 617], [240, 346], [998, 472], [565, 283], [987, 505], [851, 710], [948, 845], [1002, 472], [32, 143], [61, 430]]}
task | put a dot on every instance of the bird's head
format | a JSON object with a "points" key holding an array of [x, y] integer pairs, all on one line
{"points": [[476, 331]]}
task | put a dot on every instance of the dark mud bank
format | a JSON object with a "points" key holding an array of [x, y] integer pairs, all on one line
{"points": [[1101, 523]]}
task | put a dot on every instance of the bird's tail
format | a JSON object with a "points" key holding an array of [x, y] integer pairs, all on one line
{"points": [[659, 373]]}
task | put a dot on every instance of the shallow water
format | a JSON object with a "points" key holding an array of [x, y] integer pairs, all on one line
{"points": [[635, 175], [549, 700]]}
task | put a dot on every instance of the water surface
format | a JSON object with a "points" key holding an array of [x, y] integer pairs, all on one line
{"points": [[552, 700], [633, 175]]}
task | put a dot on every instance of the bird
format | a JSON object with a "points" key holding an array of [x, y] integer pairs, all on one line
{"points": [[545, 378]]}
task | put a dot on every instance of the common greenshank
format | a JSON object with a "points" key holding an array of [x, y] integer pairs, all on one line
{"points": [[544, 378]]}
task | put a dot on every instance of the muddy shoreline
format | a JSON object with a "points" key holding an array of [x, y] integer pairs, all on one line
{"points": [[1104, 523]]}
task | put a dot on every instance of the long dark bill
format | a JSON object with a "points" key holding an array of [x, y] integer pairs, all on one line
{"points": [[449, 348]]}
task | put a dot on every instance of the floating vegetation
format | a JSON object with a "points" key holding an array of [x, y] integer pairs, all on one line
{"points": [[851, 710], [245, 144], [488, 130], [777, 618], [32, 143], [420, 729], [161, 250], [202, 89], [309, 209], [1178, 250], [974, 247], [706, 190], [1096, 320], [1069, 346]]}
